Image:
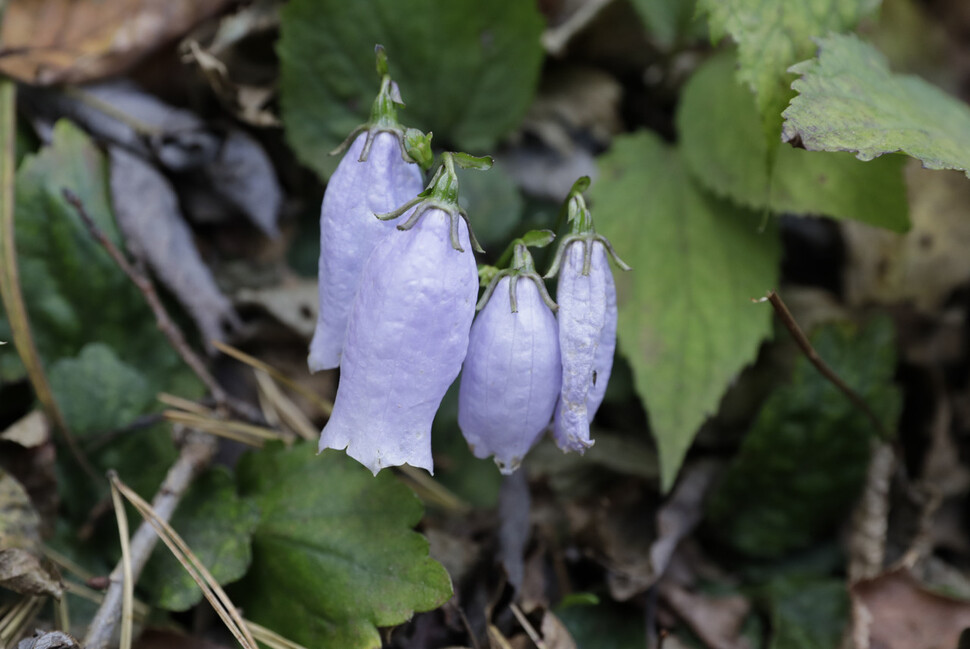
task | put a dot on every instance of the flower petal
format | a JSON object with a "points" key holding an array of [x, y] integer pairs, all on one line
{"points": [[407, 335], [511, 376], [349, 231]]}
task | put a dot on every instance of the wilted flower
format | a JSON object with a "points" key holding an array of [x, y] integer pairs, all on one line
{"points": [[376, 175], [587, 323], [512, 374], [407, 333]]}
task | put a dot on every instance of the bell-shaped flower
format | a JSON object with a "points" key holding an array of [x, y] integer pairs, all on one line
{"points": [[376, 175], [407, 333], [512, 374], [587, 323]]}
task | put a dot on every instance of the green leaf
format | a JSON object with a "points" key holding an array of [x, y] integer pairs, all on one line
{"points": [[97, 391], [467, 69], [493, 203], [807, 613], [849, 101], [334, 555], [98, 340], [805, 458], [720, 140], [775, 34], [77, 293], [686, 321], [217, 525], [666, 20], [608, 625]]}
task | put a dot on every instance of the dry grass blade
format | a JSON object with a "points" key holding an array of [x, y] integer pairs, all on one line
{"points": [[431, 491], [183, 404], [199, 573], [62, 614], [271, 638], [128, 594], [325, 406], [287, 411], [18, 618], [10, 291], [140, 609], [237, 430]]}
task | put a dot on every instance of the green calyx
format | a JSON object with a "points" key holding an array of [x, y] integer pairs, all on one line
{"points": [[415, 145], [522, 266], [581, 229], [442, 194]]}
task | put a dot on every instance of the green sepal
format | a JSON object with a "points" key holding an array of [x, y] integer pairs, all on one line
{"points": [[415, 145], [582, 229], [522, 266]]}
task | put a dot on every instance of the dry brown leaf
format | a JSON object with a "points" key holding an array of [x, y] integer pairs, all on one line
{"points": [[926, 264], [30, 431], [148, 214], [716, 621], [22, 567], [293, 303], [19, 522], [27, 573], [635, 557], [894, 611], [74, 41], [555, 634], [49, 640]]}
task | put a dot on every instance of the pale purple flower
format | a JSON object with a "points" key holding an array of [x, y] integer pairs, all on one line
{"points": [[349, 232], [582, 328], [587, 322], [512, 374], [407, 335]]}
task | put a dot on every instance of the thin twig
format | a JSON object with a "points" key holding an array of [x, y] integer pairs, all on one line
{"points": [[10, 291], [194, 456], [165, 322], [802, 341], [527, 626]]}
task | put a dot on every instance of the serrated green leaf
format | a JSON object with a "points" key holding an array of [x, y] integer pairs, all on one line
{"points": [[77, 293], [97, 391], [467, 69], [805, 458], [686, 321], [720, 137], [850, 101], [217, 525], [334, 554], [775, 34], [807, 613]]}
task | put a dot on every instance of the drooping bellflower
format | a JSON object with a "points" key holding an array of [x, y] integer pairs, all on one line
{"points": [[407, 332], [512, 374], [377, 174], [587, 323]]}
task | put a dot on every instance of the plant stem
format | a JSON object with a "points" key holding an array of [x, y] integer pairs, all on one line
{"points": [[803, 343], [10, 291]]}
